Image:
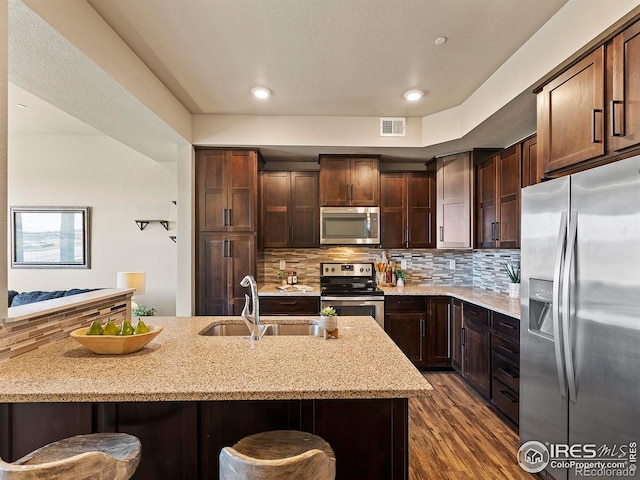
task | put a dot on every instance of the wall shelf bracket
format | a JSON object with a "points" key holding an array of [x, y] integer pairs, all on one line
{"points": [[142, 224]]}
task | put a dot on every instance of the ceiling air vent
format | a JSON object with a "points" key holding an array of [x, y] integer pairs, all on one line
{"points": [[392, 127]]}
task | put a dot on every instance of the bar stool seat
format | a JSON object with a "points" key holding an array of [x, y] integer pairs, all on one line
{"points": [[279, 454], [100, 456]]}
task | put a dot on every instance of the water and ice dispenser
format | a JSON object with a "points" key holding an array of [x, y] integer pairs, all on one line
{"points": [[540, 307]]}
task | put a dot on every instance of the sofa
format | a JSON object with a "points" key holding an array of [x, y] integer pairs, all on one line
{"points": [[16, 298]]}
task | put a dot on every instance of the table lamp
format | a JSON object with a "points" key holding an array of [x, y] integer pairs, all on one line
{"points": [[135, 280]]}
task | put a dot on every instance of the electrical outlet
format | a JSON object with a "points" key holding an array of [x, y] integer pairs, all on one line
{"points": [[452, 264], [403, 264], [283, 265]]}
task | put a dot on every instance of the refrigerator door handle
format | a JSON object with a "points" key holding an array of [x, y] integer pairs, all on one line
{"points": [[566, 285], [557, 335]]}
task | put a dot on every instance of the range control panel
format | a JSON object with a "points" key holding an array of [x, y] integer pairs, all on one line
{"points": [[346, 270]]}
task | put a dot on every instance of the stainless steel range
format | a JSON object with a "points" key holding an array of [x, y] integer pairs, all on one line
{"points": [[351, 289]]}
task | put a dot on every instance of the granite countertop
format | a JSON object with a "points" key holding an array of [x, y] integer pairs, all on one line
{"points": [[180, 365], [272, 290], [499, 302]]}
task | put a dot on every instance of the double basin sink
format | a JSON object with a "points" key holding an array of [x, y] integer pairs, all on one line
{"points": [[275, 329]]}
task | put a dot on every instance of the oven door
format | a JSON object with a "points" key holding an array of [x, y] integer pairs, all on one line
{"points": [[357, 306]]}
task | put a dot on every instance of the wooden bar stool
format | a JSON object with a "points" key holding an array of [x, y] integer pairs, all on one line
{"points": [[98, 456], [279, 454]]}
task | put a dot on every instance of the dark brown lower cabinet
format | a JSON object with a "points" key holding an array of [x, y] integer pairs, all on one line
{"points": [[182, 440], [477, 347], [421, 327], [505, 365], [456, 334], [289, 305]]}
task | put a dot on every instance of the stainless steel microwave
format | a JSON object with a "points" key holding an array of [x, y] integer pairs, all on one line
{"points": [[350, 225]]}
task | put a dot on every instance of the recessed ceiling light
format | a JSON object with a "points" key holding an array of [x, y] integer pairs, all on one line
{"points": [[441, 40], [21, 105], [413, 95], [261, 92]]}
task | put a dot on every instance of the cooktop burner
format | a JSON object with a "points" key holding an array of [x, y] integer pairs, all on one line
{"points": [[348, 279]]}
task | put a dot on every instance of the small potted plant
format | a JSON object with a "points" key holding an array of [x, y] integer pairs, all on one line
{"points": [[282, 276], [401, 276], [328, 320], [513, 272], [143, 311]]}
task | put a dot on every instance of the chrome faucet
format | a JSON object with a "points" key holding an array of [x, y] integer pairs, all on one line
{"points": [[252, 318]]}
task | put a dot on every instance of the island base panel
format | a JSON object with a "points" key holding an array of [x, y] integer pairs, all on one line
{"points": [[182, 440]]}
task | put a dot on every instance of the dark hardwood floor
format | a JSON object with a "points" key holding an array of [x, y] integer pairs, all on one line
{"points": [[454, 435]]}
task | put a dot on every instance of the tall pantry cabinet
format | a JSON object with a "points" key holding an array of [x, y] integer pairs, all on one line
{"points": [[226, 212]]}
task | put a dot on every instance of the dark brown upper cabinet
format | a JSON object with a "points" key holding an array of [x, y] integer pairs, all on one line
{"points": [[227, 186], [623, 90], [408, 210], [571, 114], [289, 212], [531, 167], [498, 200], [350, 181]]}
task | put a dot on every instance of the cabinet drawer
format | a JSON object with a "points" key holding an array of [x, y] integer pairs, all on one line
{"points": [[290, 306], [506, 373], [507, 349], [506, 399], [474, 313], [405, 303], [505, 325]]}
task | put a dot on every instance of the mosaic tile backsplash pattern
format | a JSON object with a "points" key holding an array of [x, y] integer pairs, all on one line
{"points": [[479, 268]]}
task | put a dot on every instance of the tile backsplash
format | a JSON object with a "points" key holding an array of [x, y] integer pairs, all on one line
{"points": [[479, 268]]}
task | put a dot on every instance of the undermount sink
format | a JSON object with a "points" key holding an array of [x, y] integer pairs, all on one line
{"points": [[241, 330]]}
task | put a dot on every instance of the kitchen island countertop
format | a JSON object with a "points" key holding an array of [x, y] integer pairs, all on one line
{"points": [[181, 365]]}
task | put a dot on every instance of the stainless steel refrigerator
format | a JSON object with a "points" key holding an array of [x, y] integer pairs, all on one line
{"points": [[580, 300]]}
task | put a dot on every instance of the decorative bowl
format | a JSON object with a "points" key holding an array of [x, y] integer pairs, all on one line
{"points": [[115, 344]]}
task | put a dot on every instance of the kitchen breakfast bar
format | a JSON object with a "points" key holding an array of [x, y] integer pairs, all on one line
{"points": [[186, 395]]}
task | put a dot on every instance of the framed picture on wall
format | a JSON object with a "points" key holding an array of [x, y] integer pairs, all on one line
{"points": [[50, 237]]}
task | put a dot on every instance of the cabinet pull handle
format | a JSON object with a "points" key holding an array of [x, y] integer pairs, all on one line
{"points": [[448, 330], [508, 374], [347, 187], [593, 125], [408, 235], [506, 325], [441, 233], [423, 328], [224, 217], [497, 227], [229, 216], [502, 347], [462, 337], [224, 248], [352, 192], [509, 396], [614, 133], [229, 249], [288, 303]]}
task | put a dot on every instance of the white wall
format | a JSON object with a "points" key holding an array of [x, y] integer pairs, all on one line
{"points": [[120, 185]]}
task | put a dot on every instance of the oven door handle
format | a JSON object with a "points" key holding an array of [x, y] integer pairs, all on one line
{"points": [[352, 299]]}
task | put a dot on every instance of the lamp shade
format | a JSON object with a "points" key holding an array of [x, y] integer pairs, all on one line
{"points": [[135, 280]]}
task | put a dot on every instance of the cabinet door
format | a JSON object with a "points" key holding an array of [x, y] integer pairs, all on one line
{"points": [[393, 211], [365, 182], [531, 168], [454, 201], [242, 191], [211, 178], [439, 332], [571, 114], [421, 210], [212, 277], [456, 334], [241, 255], [409, 331], [335, 176], [305, 214], [508, 181], [486, 207], [275, 207], [477, 350], [289, 305], [624, 77]]}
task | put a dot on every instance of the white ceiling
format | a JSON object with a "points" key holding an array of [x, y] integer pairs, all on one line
{"points": [[324, 57], [319, 57]]}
